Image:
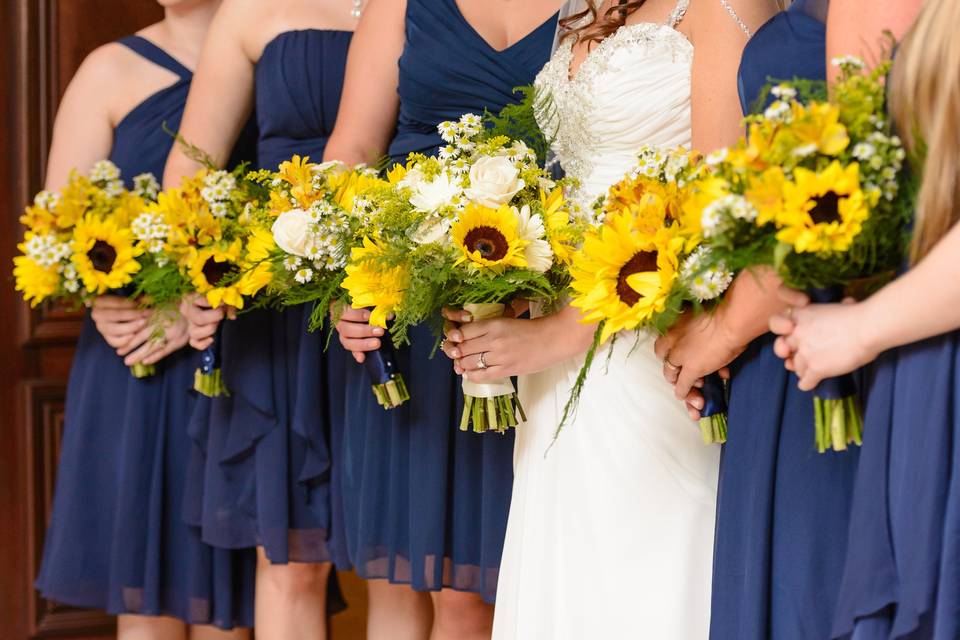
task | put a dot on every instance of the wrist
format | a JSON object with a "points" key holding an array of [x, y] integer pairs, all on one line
{"points": [[869, 329]]}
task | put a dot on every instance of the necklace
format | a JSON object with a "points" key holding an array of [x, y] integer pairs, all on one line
{"points": [[357, 9]]}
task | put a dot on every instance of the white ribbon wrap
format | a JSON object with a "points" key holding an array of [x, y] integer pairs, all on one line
{"points": [[497, 388]]}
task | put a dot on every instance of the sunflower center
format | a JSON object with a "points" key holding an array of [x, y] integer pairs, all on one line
{"points": [[641, 262], [102, 255], [488, 242], [826, 208], [215, 271]]}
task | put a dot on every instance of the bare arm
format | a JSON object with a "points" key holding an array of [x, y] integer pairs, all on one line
{"points": [[856, 27], [718, 44], [83, 129], [368, 109], [221, 94]]}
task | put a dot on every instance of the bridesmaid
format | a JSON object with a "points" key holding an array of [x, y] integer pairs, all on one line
{"points": [[427, 504], [783, 509], [901, 577], [264, 475], [116, 539]]}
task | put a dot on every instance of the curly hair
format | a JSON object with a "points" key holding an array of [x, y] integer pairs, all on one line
{"points": [[599, 26]]}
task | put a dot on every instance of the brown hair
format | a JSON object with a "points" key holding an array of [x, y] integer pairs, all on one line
{"points": [[599, 27], [925, 103]]}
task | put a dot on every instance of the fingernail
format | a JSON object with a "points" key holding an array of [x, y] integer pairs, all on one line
{"points": [[366, 315], [455, 353], [698, 403], [377, 331], [466, 317], [466, 376], [456, 336]]}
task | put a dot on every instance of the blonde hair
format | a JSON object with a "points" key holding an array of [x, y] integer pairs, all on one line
{"points": [[925, 103]]}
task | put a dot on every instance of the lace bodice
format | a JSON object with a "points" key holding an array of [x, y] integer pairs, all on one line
{"points": [[632, 90]]}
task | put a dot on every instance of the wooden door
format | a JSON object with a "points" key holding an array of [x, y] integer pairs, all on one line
{"points": [[42, 42]]}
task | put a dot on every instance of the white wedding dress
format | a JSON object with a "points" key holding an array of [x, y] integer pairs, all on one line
{"points": [[611, 531]]}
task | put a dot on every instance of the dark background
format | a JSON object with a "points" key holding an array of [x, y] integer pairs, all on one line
{"points": [[42, 42]]}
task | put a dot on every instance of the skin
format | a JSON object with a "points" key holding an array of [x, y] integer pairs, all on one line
{"points": [[826, 340], [109, 84], [700, 346], [519, 347], [365, 126], [291, 598], [92, 106]]}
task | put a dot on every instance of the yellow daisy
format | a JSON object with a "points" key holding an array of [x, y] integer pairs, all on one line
{"points": [[104, 254], [823, 211], [35, 281], [370, 284], [257, 270], [213, 271], [489, 238], [623, 275]]}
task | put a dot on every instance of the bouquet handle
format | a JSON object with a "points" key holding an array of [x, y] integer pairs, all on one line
{"points": [[387, 382], [713, 418], [837, 414], [491, 406], [208, 379]]}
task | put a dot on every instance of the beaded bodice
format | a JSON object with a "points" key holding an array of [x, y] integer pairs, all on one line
{"points": [[632, 90]]}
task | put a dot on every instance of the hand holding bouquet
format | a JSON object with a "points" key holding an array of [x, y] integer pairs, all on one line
{"points": [[814, 192], [477, 227]]}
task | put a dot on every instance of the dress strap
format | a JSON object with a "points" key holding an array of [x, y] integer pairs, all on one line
{"points": [[736, 18], [156, 55], [677, 14]]}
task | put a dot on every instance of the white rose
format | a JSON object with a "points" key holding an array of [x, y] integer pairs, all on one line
{"points": [[291, 232], [434, 195], [494, 181], [432, 230]]}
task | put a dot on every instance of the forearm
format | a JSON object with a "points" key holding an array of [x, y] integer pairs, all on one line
{"points": [[749, 303], [924, 302]]}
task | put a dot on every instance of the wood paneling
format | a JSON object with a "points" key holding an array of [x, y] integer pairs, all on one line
{"points": [[42, 42]]}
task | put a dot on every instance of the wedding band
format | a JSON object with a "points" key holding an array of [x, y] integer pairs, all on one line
{"points": [[672, 366], [481, 363], [790, 314]]}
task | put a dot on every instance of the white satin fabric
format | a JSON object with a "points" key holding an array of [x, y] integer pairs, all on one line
{"points": [[611, 531]]}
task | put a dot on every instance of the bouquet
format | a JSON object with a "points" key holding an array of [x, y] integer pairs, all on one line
{"points": [[316, 215], [813, 192], [79, 243], [644, 263], [475, 228], [197, 238]]}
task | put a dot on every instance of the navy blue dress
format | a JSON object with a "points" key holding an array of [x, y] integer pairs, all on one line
{"points": [[263, 472], [783, 508], [116, 539], [426, 503]]}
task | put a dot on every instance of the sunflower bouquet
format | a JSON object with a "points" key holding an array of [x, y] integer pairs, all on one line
{"points": [[478, 226], [78, 242], [197, 238], [643, 262], [814, 193], [316, 215]]}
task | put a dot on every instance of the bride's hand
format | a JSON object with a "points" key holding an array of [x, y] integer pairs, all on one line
{"points": [[696, 347], [513, 347]]}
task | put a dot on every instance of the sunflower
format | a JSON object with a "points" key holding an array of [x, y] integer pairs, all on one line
{"points": [[556, 217], [623, 275], [817, 128], [648, 201], [257, 271], [488, 238], [371, 284], [213, 272], [104, 254], [35, 281], [823, 211]]}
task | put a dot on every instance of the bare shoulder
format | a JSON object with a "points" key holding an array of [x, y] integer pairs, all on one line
{"points": [[729, 16]]}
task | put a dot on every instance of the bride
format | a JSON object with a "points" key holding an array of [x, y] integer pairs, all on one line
{"points": [[611, 532]]}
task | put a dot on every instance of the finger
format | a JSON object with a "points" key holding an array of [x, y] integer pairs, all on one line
{"points": [[113, 302], [695, 399], [141, 352], [472, 362], [849, 300], [484, 344], [670, 373], [684, 384], [171, 347], [781, 348], [352, 344], [724, 373], [781, 324], [458, 370], [138, 339], [698, 384], [788, 364], [450, 350], [359, 356], [475, 330], [457, 315], [808, 382], [662, 346], [232, 313], [351, 314], [118, 315], [693, 413], [486, 375], [358, 330], [201, 343], [792, 297]]}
